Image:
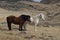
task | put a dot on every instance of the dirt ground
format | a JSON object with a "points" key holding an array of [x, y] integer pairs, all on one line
{"points": [[42, 33]]}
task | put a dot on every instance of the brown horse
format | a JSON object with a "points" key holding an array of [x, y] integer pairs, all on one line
{"points": [[18, 21]]}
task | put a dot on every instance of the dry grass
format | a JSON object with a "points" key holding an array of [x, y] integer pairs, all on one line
{"points": [[42, 33]]}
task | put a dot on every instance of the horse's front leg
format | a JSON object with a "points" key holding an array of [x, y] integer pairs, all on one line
{"points": [[36, 24], [20, 28], [35, 28], [24, 26]]}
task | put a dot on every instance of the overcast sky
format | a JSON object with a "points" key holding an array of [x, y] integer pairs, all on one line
{"points": [[37, 0]]}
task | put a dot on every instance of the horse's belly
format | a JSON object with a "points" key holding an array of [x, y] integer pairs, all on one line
{"points": [[18, 22]]}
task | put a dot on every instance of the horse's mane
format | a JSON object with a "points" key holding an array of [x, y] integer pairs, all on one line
{"points": [[24, 16]]}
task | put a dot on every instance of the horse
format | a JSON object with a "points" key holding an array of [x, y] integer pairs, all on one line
{"points": [[18, 21], [36, 19]]}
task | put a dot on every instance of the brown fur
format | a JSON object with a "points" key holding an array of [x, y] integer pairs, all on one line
{"points": [[17, 20]]}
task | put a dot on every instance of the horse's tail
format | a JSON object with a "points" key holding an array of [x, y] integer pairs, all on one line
{"points": [[8, 23], [7, 19]]}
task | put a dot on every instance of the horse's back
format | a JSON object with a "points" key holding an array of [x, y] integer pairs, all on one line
{"points": [[24, 16], [10, 18]]}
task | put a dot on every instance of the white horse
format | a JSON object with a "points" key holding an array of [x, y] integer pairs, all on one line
{"points": [[36, 20]]}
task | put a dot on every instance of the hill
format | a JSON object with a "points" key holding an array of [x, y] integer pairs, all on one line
{"points": [[50, 1], [47, 30], [51, 10]]}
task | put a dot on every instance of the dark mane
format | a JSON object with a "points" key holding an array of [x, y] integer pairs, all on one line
{"points": [[25, 17]]}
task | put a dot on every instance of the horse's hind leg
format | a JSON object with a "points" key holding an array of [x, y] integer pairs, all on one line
{"points": [[9, 26]]}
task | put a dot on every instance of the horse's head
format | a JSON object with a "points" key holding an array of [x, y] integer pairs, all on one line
{"points": [[41, 16], [27, 18]]}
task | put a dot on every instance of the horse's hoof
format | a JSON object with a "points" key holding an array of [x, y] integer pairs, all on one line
{"points": [[20, 30], [9, 30], [24, 29]]}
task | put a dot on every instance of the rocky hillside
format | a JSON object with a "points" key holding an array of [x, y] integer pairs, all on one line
{"points": [[52, 10], [50, 1], [15, 0]]}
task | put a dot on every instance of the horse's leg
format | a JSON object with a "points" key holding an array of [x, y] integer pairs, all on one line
{"points": [[36, 24], [35, 28], [9, 26], [25, 25], [20, 28]]}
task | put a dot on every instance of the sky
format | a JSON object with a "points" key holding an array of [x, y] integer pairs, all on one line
{"points": [[37, 0]]}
